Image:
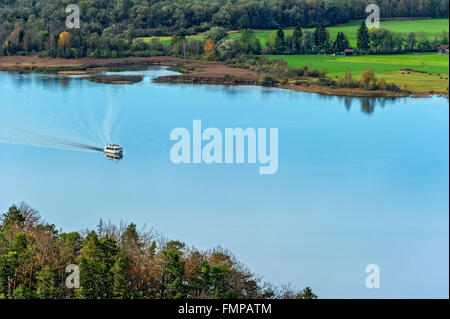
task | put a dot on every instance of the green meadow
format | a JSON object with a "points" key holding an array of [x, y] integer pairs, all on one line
{"points": [[388, 67], [428, 28], [165, 41]]}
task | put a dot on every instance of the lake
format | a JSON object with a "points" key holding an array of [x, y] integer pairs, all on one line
{"points": [[359, 181]]}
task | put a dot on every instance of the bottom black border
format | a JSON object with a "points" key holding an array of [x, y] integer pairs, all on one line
{"points": [[237, 308]]}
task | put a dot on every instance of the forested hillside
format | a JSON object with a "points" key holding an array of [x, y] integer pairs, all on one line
{"points": [[234, 14], [117, 262], [36, 20], [33, 26]]}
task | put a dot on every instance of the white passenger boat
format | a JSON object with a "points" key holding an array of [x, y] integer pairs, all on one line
{"points": [[113, 152]]}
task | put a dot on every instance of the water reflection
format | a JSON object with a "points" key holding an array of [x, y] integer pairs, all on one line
{"points": [[368, 105], [54, 81], [23, 80], [20, 80]]}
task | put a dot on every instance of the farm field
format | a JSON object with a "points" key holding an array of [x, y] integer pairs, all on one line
{"points": [[385, 66], [429, 28]]}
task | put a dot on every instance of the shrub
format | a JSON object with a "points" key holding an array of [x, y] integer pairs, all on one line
{"points": [[367, 77], [326, 81], [393, 87], [267, 80], [139, 45], [227, 48], [216, 34], [156, 45], [301, 82]]}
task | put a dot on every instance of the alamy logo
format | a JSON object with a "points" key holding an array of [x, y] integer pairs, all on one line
{"points": [[73, 19], [373, 279], [73, 279], [373, 19], [234, 146]]}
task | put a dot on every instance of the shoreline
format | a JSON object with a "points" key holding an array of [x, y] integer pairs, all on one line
{"points": [[193, 72], [355, 92]]}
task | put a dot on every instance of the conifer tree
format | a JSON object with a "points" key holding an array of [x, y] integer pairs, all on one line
{"points": [[363, 39]]}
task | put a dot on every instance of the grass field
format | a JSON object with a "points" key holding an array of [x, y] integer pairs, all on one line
{"points": [[165, 41], [426, 27], [384, 66]]}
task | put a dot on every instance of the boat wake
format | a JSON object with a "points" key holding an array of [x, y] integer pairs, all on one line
{"points": [[14, 135], [109, 121]]}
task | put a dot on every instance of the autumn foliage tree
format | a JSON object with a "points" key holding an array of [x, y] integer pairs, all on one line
{"points": [[209, 47], [367, 77], [64, 42], [115, 262]]}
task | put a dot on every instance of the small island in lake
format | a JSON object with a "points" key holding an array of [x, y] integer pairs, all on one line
{"points": [[114, 79]]}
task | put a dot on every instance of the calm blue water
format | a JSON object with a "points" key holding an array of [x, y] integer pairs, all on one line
{"points": [[359, 181]]}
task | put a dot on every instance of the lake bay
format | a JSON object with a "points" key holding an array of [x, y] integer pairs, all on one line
{"points": [[360, 181]]}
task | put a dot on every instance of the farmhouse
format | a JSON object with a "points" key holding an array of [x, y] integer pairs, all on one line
{"points": [[348, 52], [443, 49]]}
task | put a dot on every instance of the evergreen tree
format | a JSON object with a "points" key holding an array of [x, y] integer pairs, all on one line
{"points": [[308, 294], [410, 42], [122, 287], [321, 39], [46, 283], [199, 279], [297, 38], [280, 42], [220, 279], [130, 235], [363, 39], [173, 268], [341, 43], [13, 217], [308, 42], [152, 250], [95, 261]]}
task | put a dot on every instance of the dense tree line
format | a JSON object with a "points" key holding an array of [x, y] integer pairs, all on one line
{"points": [[234, 14], [220, 46], [376, 40], [384, 41], [28, 27], [117, 262]]}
